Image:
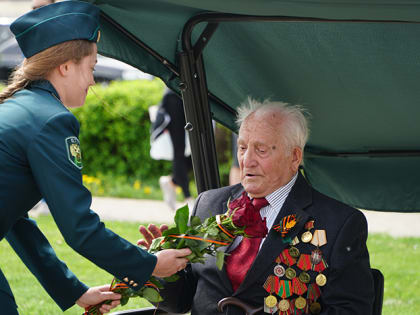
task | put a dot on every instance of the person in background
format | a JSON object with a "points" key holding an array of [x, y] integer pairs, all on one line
{"points": [[314, 258], [172, 118], [41, 157]]}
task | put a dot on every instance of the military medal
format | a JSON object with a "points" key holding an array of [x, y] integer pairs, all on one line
{"points": [[270, 301], [314, 292], [300, 303], [298, 287], [284, 305], [295, 241], [319, 238], [304, 262], [321, 279], [315, 308], [279, 270], [294, 252], [284, 291], [316, 257], [307, 236], [290, 273], [287, 258], [304, 277]]}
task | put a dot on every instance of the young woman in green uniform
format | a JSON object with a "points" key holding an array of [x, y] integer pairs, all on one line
{"points": [[40, 157]]}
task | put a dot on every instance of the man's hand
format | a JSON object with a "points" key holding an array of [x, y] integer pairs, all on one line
{"points": [[150, 233], [96, 295], [170, 261]]}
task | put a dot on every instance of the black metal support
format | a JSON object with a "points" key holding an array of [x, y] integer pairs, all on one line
{"points": [[199, 123], [194, 92]]}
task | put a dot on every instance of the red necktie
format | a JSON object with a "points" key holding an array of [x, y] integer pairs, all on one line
{"points": [[242, 257]]}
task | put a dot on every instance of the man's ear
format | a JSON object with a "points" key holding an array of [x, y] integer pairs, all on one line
{"points": [[296, 158]]}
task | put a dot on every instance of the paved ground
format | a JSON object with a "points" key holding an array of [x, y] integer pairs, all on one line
{"points": [[136, 210]]}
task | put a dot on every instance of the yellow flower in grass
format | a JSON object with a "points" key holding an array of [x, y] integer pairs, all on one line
{"points": [[137, 185], [147, 190]]}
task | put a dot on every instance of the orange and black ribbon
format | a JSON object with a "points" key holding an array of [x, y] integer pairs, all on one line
{"points": [[198, 239], [286, 224]]}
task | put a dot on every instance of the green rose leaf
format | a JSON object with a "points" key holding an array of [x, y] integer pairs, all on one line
{"points": [[172, 278], [195, 221], [181, 219], [152, 295], [220, 259]]}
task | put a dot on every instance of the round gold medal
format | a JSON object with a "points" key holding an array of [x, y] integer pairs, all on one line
{"points": [[300, 303], [270, 301], [321, 280], [294, 252], [304, 277], [284, 305], [306, 237], [290, 273], [315, 308]]}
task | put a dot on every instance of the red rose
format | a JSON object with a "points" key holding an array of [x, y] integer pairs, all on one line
{"points": [[245, 215], [242, 209]]}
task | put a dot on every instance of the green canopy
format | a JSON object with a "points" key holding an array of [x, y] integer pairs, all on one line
{"points": [[355, 65]]}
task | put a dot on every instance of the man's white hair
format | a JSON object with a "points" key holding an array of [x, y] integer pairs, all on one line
{"points": [[295, 130]]}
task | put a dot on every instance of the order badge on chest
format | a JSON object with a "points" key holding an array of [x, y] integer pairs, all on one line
{"points": [[295, 285]]}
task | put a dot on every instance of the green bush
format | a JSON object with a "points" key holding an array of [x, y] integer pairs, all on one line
{"points": [[115, 137], [115, 129]]}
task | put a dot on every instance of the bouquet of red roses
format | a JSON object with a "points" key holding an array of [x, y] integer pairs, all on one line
{"points": [[202, 238]]}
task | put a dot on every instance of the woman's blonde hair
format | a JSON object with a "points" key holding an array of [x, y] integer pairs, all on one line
{"points": [[40, 65]]}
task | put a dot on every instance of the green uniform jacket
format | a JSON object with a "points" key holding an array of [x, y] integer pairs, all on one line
{"points": [[37, 160]]}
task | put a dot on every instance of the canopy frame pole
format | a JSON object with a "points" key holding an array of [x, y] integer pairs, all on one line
{"points": [[193, 86]]}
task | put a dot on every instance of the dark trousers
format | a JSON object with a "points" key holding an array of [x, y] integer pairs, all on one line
{"points": [[181, 165], [7, 302]]}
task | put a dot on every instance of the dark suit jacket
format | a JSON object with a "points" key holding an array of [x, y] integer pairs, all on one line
{"points": [[349, 289]]}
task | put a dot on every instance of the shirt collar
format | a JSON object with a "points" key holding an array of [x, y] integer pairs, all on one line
{"points": [[277, 197], [45, 85]]}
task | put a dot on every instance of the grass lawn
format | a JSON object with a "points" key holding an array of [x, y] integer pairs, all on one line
{"points": [[397, 258]]}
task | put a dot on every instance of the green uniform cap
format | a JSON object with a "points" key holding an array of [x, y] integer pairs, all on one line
{"points": [[56, 23]]}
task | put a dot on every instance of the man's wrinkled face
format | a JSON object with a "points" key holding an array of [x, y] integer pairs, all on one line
{"points": [[265, 162]]}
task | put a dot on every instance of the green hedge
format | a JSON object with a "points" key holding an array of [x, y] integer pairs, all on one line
{"points": [[115, 129], [115, 132]]}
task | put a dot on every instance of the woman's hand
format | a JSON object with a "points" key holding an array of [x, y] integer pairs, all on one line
{"points": [[170, 261], [96, 295]]}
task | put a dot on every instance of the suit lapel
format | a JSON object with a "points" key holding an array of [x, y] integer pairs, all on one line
{"points": [[299, 198]]}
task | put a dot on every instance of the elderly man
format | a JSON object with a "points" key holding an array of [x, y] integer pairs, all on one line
{"points": [[314, 259]]}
